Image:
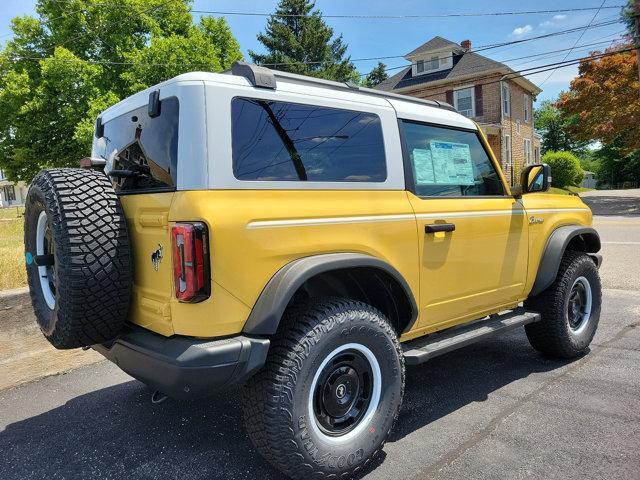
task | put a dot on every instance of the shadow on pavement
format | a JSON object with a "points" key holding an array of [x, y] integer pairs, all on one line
{"points": [[604, 205], [117, 433]]}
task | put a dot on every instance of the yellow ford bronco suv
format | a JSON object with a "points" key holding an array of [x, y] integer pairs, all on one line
{"points": [[301, 239]]}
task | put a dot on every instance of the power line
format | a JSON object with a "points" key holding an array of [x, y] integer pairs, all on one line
{"points": [[475, 50], [405, 17], [517, 73], [576, 42], [547, 67]]}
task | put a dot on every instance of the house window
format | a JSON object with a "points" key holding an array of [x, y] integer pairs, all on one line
{"points": [[463, 101], [506, 100], [526, 108], [435, 63], [507, 150], [420, 66], [518, 127], [9, 193], [536, 154], [527, 151]]}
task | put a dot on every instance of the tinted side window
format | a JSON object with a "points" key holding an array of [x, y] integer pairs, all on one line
{"points": [[448, 162], [280, 141], [147, 146]]}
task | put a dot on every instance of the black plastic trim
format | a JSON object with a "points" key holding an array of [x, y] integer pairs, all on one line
{"points": [[154, 105], [553, 252], [186, 367], [268, 309], [258, 76]]}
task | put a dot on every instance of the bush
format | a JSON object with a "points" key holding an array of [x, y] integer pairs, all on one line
{"points": [[565, 168]]}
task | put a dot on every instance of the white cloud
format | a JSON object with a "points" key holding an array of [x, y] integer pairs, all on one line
{"points": [[553, 21], [522, 30]]}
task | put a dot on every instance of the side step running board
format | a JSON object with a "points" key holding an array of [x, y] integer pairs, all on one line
{"points": [[423, 349]]}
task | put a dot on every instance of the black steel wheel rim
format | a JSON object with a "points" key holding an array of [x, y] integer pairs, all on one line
{"points": [[576, 307], [343, 393]]}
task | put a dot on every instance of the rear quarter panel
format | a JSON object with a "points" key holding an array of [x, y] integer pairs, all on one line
{"points": [[254, 233]]}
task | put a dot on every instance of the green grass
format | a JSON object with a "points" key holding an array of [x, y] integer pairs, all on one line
{"points": [[12, 264]]}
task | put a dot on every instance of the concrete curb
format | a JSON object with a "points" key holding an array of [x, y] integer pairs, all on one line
{"points": [[13, 292]]}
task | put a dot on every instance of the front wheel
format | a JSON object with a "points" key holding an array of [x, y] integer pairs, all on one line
{"points": [[570, 309], [330, 391]]}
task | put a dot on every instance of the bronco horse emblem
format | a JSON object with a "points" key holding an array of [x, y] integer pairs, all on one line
{"points": [[156, 257]]}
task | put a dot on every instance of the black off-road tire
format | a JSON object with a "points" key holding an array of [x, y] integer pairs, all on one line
{"points": [[553, 335], [276, 406], [91, 279]]}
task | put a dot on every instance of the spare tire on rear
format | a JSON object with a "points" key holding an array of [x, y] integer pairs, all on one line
{"points": [[78, 257]]}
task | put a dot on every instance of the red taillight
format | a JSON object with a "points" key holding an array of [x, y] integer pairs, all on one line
{"points": [[191, 262]]}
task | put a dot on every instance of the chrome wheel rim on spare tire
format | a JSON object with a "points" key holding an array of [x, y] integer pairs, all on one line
{"points": [[45, 259], [579, 305], [345, 393]]}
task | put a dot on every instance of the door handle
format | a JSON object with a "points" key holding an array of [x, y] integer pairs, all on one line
{"points": [[439, 227]]}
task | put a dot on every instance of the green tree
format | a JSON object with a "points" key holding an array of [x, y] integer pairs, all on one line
{"points": [[298, 40], [565, 168], [60, 70], [376, 76], [549, 122], [615, 167]]}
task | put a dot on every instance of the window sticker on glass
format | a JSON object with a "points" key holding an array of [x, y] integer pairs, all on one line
{"points": [[423, 166], [452, 163]]}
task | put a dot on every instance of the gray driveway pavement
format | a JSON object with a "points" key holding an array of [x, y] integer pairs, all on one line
{"points": [[496, 409]]}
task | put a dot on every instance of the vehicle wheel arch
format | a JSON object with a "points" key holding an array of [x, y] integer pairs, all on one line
{"points": [[568, 237], [350, 275]]}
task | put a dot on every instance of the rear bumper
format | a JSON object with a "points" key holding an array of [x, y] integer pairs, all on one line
{"points": [[185, 367]]}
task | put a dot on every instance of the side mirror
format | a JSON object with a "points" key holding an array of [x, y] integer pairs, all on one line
{"points": [[535, 178]]}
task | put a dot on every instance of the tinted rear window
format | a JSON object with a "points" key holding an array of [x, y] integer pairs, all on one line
{"points": [[149, 146], [281, 141]]}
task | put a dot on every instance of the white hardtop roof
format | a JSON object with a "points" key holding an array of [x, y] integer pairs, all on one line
{"points": [[409, 108]]}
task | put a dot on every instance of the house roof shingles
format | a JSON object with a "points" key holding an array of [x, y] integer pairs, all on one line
{"points": [[435, 43], [465, 64], [468, 63]]}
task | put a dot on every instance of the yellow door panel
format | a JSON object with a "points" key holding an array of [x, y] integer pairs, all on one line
{"points": [[147, 219], [480, 265]]}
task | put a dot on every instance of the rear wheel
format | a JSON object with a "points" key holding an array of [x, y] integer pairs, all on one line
{"points": [[330, 391], [570, 309]]}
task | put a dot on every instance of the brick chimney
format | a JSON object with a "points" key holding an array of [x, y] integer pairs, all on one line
{"points": [[466, 45]]}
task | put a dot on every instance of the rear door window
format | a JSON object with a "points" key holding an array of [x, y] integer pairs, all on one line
{"points": [[282, 141], [142, 152]]}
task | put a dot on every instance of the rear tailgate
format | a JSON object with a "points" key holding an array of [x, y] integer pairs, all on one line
{"points": [[147, 218]]}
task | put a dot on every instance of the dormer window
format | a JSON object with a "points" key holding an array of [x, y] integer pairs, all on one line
{"points": [[433, 62]]}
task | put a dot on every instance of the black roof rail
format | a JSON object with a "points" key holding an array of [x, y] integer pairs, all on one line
{"points": [[264, 77], [258, 76]]}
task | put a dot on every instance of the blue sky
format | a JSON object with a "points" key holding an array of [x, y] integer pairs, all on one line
{"points": [[389, 37]]}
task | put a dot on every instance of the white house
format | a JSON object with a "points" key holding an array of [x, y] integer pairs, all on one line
{"points": [[11, 193]]}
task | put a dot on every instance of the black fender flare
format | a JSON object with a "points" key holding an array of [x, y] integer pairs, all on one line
{"points": [[272, 302], [554, 250]]}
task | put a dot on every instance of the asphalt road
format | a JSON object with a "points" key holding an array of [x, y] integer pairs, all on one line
{"points": [[496, 409]]}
